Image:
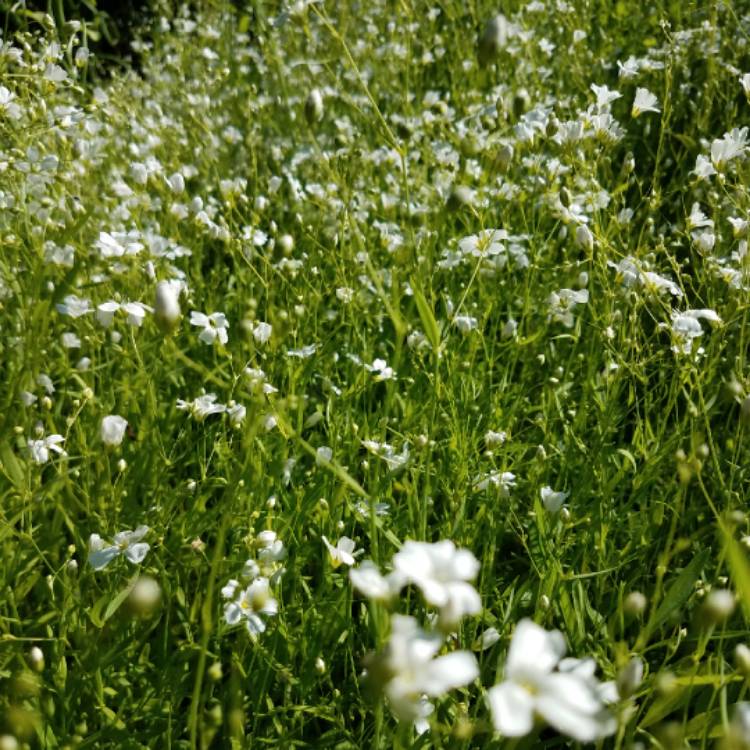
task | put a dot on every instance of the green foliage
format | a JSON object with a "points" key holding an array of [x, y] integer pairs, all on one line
{"points": [[479, 283]]}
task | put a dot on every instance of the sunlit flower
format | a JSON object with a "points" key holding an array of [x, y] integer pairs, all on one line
{"points": [[126, 543], [568, 698], [409, 669], [343, 553], [442, 573], [212, 326], [39, 449], [251, 606], [552, 500], [644, 101]]}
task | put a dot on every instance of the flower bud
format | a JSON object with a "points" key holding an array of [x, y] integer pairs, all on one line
{"points": [[742, 659], [635, 604], [145, 596], [167, 305], [36, 659], [314, 107], [584, 237], [718, 607], [630, 677]]}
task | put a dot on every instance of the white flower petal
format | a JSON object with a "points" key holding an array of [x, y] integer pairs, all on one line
{"points": [[511, 708], [100, 558]]}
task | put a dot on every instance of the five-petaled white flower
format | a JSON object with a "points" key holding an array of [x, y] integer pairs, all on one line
{"points": [[126, 543], [343, 553], [249, 605], [213, 326], [540, 683], [442, 573], [40, 449], [407, 670]]}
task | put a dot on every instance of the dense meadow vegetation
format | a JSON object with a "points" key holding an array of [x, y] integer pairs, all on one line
{"points": [[374, 375]]}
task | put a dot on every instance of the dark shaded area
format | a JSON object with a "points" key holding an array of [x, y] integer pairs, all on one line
{"points": [[110, 25]]}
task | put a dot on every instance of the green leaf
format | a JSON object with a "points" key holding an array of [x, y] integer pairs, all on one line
{"points": [[678, 593], [11, 466], [430, 325], [740, 569]]}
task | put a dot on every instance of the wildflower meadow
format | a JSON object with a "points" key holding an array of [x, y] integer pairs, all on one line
{"points": [[375, 374]]}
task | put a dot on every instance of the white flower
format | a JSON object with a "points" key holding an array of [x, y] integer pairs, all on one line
{"points": [[698, 219], [441, 572], [379, 368], [237, 414], [40, 449], [252, 602], [465, 323], [703, 168], [552, 500], [105, 313], [73, 306], [584, 237], [113, 429], [731, 146], [604, 96], [213, 326], [126, 543], [505, 481], [744, 80], [202, 407], [562, 303], [568, 699], [412, 671], [262, 332], [7, 105], [343, 553], [644, 101], [368, 580], [492, 438], [136, 312], [323, 455], [686, 327]]}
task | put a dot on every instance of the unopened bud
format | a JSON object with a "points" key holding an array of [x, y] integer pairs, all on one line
{"points": [[718, 607], [167, 305], [145, 596], [635, 604], [314, 107], [630, 677], [36, 659]]}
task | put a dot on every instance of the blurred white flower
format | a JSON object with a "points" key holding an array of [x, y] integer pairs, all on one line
{"points": [[569, 699], [442, 573], [126, 543], [113, 429], [262, 332], [369, 581], [409, 669]]}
